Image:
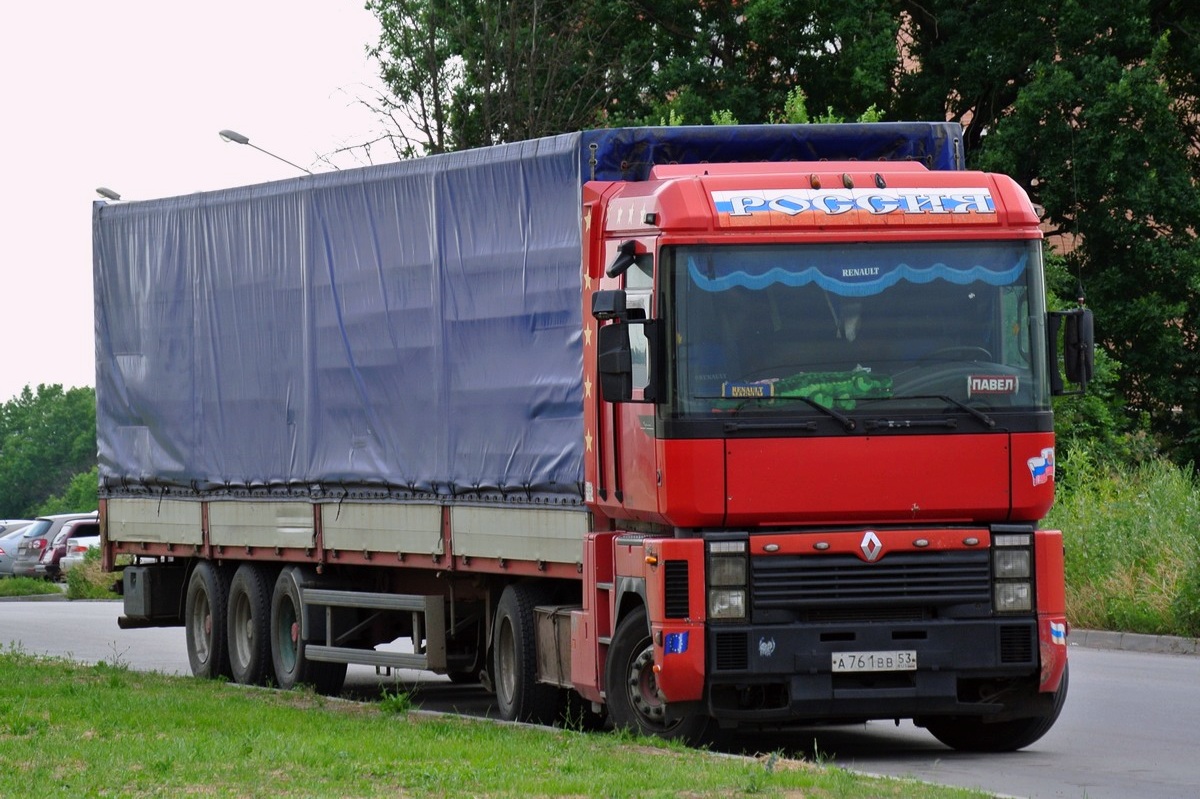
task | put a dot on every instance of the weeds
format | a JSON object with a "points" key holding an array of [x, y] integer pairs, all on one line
{"points": [[396, 703], [89, 581], [1132, 537]]}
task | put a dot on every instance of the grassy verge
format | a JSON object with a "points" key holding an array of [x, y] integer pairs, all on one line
{"points": [[1132, 538], [27, 586], [70, 729]]}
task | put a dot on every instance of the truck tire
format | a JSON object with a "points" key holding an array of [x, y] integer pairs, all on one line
{"points": [[972, 734], [519, 696], [631, 689], [292, 667], [204, 613], [249, 625]]}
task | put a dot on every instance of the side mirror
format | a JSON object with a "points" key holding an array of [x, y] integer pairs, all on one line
{"points": [[615, 363], [1079, 348]]}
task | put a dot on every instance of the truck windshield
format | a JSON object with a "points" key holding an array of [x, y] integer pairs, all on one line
{"points": [[779, 328]]}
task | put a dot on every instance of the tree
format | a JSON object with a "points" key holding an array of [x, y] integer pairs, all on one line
{"points": [[82, 495], [1093, 107], [1104, 130], [46, 439], [465, 73]]}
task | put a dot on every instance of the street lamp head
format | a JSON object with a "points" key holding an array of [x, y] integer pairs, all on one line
{"points": [[234, 136], [108, 194], [237, 138]]}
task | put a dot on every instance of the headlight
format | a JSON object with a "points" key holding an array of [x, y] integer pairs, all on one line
{"points": [[1012, 564], [729, 570], [1012, 569], [726, 604], [1013, 597], [727, 576]]}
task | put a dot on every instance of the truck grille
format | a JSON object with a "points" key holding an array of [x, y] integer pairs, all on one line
{"points": [[905, 579]]}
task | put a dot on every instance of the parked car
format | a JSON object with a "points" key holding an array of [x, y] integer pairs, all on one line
{"points": [[40, 536], [10, 534], [10, 526], [78, 545], [50, 563]]}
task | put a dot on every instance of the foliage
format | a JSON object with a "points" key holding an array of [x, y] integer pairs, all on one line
{"points": [[104, 730], [81, 495], [89, 581], [465, 73], [46, 439], [1132, 545], [1102, 126]]}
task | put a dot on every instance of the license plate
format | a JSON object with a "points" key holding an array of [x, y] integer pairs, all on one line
{"points": [[902, 660]]}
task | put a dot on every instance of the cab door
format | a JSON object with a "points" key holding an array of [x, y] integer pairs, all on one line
{"points": [[625, 459]]}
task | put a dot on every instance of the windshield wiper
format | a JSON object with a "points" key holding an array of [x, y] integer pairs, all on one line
{"points": [[847, 423], [983, 418]]}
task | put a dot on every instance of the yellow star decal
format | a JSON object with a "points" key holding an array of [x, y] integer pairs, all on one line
{"points": [[587, 388], [588, 439], [587, 336], [587, 282]]}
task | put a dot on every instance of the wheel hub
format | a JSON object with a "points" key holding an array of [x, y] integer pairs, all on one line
{"points": [[643, 688]]}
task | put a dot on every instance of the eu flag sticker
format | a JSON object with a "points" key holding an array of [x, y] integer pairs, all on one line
{"points": [[675, 643]]}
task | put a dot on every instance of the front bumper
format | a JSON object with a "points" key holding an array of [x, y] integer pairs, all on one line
{"points": [[780, 673]]}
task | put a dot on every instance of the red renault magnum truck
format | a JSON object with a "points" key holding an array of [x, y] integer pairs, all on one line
{"points": [[679, 426]]}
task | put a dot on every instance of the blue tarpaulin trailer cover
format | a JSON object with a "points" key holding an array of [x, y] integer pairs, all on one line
{"points": [[404, 331]]}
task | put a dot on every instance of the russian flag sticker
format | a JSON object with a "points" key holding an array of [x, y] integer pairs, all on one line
{"points": [[1058, 633]]}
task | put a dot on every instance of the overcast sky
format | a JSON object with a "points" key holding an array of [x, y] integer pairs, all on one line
{"points": [[130, 94]]}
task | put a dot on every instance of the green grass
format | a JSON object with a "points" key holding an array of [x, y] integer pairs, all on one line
{"points": [[1132, 539], [73, 730], [27, 586]]}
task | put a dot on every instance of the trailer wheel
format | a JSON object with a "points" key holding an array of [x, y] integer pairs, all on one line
{"points": [[249, 625], [519, 696], [204, 621], [971, 734], [631, 688], [292, 666]]}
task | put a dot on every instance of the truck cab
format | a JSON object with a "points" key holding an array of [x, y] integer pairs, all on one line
{"points": [[822, 436]]}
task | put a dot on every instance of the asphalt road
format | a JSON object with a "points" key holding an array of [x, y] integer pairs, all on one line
{"points": [[1130, 728]]}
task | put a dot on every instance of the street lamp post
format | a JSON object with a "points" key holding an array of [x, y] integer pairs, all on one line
{"points": [[237, 138]]}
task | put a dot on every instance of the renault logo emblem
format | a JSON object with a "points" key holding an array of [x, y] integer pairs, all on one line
{"points": [[871, 546]]}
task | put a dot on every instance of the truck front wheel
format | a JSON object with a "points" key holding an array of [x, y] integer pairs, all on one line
{"points": [[249, 625], [631, 687], [971, 734], [288, 645], [204, 613]]}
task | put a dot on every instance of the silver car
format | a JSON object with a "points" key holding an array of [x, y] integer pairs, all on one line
{"points": [[10, 534], [39, 537]]}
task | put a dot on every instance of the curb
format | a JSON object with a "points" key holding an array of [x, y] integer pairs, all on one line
{"points": [[1134, 642], [61, 597]]}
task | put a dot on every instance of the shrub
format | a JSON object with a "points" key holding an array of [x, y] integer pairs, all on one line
{"points": [[1131, 535], [89, 581]]}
